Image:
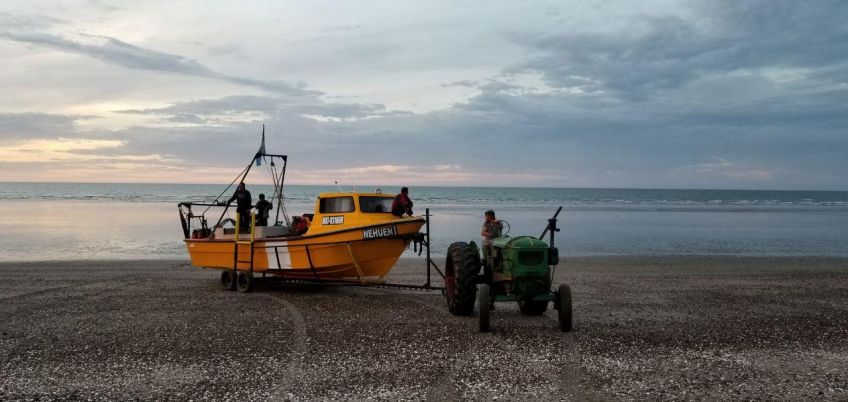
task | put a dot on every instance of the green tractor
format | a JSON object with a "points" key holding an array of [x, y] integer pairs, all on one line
{"points": [[514, 269]]}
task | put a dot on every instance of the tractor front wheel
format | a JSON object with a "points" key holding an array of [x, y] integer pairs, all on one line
{"points": [[484, 300], [461, 270], [564, 299]]}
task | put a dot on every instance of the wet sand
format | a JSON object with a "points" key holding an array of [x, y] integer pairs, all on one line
{"points": [[645, 328]]}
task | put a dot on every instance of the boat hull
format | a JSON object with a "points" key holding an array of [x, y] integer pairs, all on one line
{"points": [[364, 252]]}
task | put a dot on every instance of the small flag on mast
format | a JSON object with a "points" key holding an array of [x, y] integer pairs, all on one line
{"points": [[261, 150]]}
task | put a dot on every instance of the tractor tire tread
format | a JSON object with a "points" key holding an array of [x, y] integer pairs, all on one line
{"points": [[466, 265]]}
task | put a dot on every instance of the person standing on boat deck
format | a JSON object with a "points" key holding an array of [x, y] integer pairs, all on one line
{"points": [[263, 209], [402, 205], [491, 229], [243, 205]]}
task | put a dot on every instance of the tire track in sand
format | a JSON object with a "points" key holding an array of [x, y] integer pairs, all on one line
{"points": [[441, 388], [293, 372], [123, 279]]}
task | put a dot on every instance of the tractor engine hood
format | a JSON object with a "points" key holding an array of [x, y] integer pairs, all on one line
{"points": [[520, 242]]}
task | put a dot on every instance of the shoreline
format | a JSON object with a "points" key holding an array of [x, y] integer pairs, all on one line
{"points": [[644, 258]]}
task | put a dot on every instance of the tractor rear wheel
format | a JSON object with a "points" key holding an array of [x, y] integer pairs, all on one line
{"points": [[533, 307], [228, 280], [564, 314], [484, 300], [461, 270]]}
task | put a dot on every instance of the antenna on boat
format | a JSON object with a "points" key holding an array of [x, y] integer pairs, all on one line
{"points": [[350, 175]]}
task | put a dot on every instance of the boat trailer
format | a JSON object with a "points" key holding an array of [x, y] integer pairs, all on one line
{"points": [[421, 245]]}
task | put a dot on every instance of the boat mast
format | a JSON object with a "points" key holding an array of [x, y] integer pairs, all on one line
{"points": [[240, 179], [278, 183]]}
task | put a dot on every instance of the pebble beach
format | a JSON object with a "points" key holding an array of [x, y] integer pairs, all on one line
{"points": [[672, 327]]}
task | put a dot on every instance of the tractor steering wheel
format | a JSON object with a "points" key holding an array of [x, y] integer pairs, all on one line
{"points": [[506, 227]]}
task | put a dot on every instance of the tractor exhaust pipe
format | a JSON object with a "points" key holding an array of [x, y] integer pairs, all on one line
{"points": [[552, 227]]}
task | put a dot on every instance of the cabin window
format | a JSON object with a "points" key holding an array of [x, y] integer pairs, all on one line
{"points": [[375, 204], [336, 205]]}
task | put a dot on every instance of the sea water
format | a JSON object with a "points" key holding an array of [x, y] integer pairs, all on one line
{"points": [[60, 221]]}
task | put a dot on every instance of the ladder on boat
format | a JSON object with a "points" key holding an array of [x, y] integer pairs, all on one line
{"points": [[250, 243]]}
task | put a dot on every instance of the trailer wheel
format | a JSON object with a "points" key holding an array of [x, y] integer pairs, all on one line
{"points": [[228, 280], [564, 314], [461, 269], [533, 307], [484, 300], [245, 282]]}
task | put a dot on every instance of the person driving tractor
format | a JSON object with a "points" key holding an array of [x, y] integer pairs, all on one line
{"points": [[491, 229]]}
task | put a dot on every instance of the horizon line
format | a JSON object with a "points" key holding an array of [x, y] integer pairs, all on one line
{"points": [[448, 186]]}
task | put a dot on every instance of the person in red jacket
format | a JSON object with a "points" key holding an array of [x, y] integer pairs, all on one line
{"points": [[402, 205], [300, 224]]}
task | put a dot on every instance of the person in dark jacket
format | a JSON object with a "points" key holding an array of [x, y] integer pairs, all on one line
{"points": [[243, 205], [263, 211], [402, 205]]}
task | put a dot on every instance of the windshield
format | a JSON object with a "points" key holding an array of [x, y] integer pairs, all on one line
{"points": [[375, 204], [336, 205]]}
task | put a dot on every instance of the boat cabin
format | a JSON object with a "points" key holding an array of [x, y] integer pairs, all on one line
{"points": [[333, 211]]}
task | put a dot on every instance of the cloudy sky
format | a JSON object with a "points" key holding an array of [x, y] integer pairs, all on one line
{"points": [[668, 94]]}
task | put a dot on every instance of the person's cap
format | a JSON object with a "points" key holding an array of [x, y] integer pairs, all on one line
{"points": [[404, 190], [261, 195]]}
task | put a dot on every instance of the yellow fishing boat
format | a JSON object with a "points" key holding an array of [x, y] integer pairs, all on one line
{"points": [[353, 236]]}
